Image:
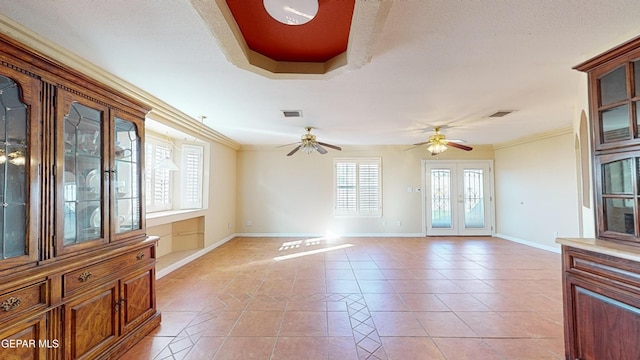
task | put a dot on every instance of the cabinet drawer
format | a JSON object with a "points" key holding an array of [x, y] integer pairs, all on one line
{"points": [[605, 268], [20, 301], [101, 271]]}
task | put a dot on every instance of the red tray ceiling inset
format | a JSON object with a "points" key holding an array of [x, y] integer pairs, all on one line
{"points": [[319, 40]]}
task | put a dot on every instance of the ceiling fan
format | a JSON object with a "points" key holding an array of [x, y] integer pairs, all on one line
{"points": [[438, 143], [309, 144]]}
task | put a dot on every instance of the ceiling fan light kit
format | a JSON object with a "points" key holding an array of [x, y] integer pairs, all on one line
{"points": [[309, 144], [438, 143], [436, 149]]}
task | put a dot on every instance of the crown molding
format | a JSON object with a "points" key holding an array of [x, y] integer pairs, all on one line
{"points": [[536, 137], [161, 111]]}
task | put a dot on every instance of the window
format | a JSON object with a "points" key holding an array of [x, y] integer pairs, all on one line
{"points": [[157, 178], [192, 165], [169, 186], [358, 190]]}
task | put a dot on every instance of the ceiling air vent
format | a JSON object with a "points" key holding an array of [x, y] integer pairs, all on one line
{"points": [[501, 113], [292, 113]]}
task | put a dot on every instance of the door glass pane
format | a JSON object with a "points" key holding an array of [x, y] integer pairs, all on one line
{"points": [[127, 176], [82, 178], [617, 177], [637, 106], [615, 124], [619, 215], [636, 71], [441, 198], [613, 86], [13, 173], [473, 194]]}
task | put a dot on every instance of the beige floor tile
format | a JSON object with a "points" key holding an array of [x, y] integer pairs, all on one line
{"points": [[246, 348], [258, 323], [292, 348], [382, 298], [411, 348], [423, 302], [444, 324], [304, 323], [393, 323]]}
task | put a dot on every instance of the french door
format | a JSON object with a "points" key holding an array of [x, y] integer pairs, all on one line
{"points": [[458, 197]]}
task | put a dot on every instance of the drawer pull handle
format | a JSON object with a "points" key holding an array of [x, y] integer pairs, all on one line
{"points": [[140, 256], [84, 276], [10, 304]]}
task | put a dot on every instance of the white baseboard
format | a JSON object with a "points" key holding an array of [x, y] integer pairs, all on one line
{"points": [[190, 258], [323, 235], [555, 249]]}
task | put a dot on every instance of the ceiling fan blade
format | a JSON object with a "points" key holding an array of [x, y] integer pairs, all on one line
{"points": [[330, 146], [422, 143], [320, 149], [459, 146], [294, 150], [297, 142], [456, 141]]}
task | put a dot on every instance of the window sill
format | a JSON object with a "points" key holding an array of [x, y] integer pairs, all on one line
{"points": [[167, 217]]}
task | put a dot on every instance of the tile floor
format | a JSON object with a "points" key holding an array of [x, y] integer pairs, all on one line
{"points": [[361, 298]]}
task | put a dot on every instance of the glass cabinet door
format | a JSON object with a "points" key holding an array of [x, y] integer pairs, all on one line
{"points": [[13, 173], [618, 195], [127, 176], [83, 175], [617, 105]]}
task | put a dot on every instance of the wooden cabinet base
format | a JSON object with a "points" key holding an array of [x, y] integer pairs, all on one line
{"points": [[127, 341], [601, 305]]}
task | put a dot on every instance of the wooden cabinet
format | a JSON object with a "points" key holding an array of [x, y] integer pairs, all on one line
{"points": [[108, 300], [27, 340], [19, 182], [99, 201], [602, 276], [92, 322], [614, 100], [77, 269], [602, 305]]}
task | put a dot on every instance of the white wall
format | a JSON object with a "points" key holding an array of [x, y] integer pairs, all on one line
{"points": [[536, 193], [282, 195], [587, 208], [220, 218]]}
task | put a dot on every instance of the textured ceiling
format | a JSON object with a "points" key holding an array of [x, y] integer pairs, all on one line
{"points": [[434, 62]]}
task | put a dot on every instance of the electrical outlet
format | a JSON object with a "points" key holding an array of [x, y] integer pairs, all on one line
{"points": [[249, 223]]}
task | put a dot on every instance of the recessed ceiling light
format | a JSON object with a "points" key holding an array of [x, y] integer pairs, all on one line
{"points": [[291, 12]]}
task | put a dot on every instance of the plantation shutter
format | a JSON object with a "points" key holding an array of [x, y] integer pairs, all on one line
{"points": [[369, 188], [157, 181], [346, 188], [192, 158], [162, 177], [358, 187]]}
